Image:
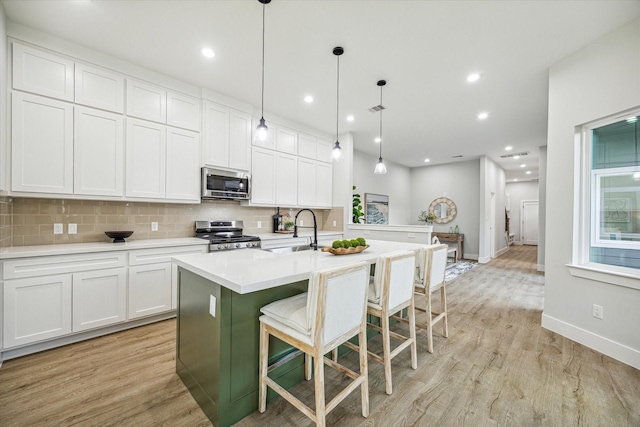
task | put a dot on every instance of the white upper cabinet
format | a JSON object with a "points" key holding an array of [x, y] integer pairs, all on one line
{"points": [[239, 140], [99, 88], [323, 150], [324, 185], [263, 176], [306, 182], [306, 146], [183, 111], [43, 73], [286, 140], [98, 152], [145, 159], [183, 165], [41, 144], [146, 101], [286, 182], [227, 137]]}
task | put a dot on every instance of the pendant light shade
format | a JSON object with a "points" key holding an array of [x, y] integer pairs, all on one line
{"points": [[336, 153], [380, 166], [261, 136]]}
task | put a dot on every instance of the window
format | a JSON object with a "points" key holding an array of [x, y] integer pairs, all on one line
{"points": [[610, 214]]}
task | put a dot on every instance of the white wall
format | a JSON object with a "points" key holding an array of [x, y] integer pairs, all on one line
{"points": [[492, 182], [599, 80], [457, 181], [517, 192], [395, 184]]}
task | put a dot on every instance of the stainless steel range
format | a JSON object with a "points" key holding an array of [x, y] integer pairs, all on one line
{"points": [[225, 235]]}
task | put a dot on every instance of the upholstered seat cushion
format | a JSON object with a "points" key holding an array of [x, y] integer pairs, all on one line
{"points": [[291, 312]]}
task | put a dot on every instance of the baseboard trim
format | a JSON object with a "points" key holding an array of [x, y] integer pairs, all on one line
{"points": [[601, 344], [502, 251], [484, 260], [540, 267]]}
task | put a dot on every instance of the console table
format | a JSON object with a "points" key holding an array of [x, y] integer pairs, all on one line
{"points": [[452, 237]]}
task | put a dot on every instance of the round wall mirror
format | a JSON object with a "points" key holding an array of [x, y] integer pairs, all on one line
{"points": [[444, 209]]}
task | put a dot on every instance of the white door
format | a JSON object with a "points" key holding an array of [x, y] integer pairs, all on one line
{"points": [[183, 165], [145, 161], [307, 179], [149, 289], [99, 298], [41, 145], [263, 176], [36, 309], [286, 182], [529, 215], [239, 140], [98, 152]]}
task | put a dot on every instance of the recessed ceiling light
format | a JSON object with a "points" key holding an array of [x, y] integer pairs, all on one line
{"points": [[427, 160], [483, 116], [508, 148], [350, 118], [523, 165], [308, 99], [528, 172], [516, 157], [377, 139], [208, 52], [474, 77]]}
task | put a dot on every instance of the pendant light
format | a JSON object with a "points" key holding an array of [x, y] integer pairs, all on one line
{"points": [[380, 167], [336, 153], [261, 135]]}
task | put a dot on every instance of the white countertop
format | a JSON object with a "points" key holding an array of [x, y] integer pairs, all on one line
{"points": [[77, 248], [252, 270]]}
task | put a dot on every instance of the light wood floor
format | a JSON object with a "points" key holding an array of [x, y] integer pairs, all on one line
{"points": [[498, 367]]}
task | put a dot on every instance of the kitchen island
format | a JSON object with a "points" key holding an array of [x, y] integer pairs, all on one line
{"points": [[219, 299]]}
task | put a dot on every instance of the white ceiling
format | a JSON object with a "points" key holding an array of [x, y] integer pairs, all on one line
{"points": [[424, 49]]}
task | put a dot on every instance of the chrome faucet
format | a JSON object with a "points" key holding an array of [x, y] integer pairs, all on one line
{"points": [[314, 245]]}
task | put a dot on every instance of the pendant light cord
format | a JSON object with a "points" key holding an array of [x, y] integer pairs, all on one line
{"points": [[337, 95], [381, 121], [263, 12]]}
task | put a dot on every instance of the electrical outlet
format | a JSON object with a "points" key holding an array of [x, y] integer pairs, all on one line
{"points": [[301, 223], [334, 223], [57, 229], [598, 311], [154, 226], [73, 229], [259, 224], [212, 305]]}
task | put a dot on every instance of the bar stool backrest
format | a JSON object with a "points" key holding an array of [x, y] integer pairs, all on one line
{"points": [[435, 262], [398, 270]]}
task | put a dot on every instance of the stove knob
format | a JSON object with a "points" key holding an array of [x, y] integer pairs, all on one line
{"points": [[237, 245], [249, 244], [220, 246], [227, 246]]}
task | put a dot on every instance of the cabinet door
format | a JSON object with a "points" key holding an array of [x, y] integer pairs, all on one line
{"points": [[145, 159], [42, 73], [239, 140], [286, 182], [99, 298], [324, 184], [306, 182], [149, 289], [99, 88], [263, 176], [306, 146], [41, 145], [286, 140], [216, 135], [323, 150], [146, 101], [183, 111], [98, 152], [36, 309], [183, 164]]}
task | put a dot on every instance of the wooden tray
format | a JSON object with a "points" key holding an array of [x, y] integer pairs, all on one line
{"points": [[285, 231], [345, 251]]}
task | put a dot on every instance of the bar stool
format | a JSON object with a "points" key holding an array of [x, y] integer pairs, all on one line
{"points": [[432, 267], [331, 312], [391, 291]]}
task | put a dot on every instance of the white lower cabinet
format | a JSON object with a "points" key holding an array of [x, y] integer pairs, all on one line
{"points": [[99, 298], [149, 289], [36, 309]]}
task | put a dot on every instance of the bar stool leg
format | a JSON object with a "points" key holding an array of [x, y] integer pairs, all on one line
{"points": [[307, 367], [318, 368], [386, 350], [412, 334], [443, 297], [364, 370], [264, 360], [429, 323]]}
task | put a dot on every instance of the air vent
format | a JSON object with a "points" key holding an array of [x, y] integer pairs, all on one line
{"points": [[457, 156], [377, 108], [508, 156]]}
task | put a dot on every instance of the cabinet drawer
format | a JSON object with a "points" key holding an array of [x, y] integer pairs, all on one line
{"points": [[45, 266], [152, 256]]}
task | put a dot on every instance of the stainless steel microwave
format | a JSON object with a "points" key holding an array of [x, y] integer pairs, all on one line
{"points": [[222, 184]]}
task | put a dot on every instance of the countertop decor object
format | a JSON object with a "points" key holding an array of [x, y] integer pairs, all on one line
{"points": [[345, 251], [118, 236]]}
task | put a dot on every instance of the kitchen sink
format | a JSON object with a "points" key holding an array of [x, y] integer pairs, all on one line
{"points": [[289, 249]]}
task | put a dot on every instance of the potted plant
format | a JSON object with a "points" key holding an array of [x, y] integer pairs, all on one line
{"points": [[426, 217], [289, 225]]}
